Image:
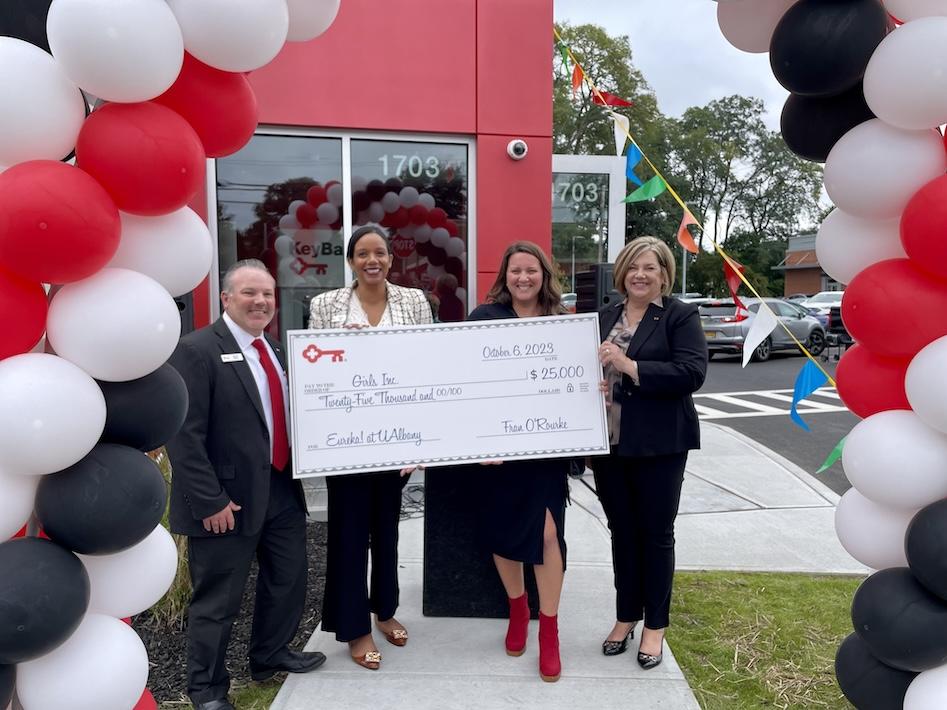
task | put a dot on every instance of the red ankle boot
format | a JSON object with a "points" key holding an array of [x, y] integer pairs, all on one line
{"points": [[519, 625], [549, 666]]}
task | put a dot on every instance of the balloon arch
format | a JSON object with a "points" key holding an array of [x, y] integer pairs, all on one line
{"points": [[868, 83], [111, 238]]}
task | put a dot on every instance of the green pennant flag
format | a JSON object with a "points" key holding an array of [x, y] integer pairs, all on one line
{"points": [[651, 189], [832, 457], [564, 53]]}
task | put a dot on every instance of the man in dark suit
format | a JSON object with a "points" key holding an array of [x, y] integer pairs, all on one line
{"points": [[232, 491]]}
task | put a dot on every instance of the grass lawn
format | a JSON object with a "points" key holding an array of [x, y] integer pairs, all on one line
{"points": [[748, 640], [255, 696]]}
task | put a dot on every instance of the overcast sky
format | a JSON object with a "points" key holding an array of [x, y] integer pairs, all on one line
{"points": [[678, 47]]}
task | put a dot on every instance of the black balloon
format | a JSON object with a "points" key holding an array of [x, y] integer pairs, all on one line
{"points": [[26, 20], [822, 48], [811, 126], [44, 593], [107, 502], [925, 545], [7, 680], [903, 625], [454, 266], [375, 189], [867, 682], [436, 256], [393, 184], [145, 413]]}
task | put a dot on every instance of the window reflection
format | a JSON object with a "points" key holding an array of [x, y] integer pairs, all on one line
{"points": [[419, 192], [579, 223], [280, 200]]}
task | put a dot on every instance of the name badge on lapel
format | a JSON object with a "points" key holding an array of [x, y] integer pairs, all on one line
{"points": [[231, 357]]}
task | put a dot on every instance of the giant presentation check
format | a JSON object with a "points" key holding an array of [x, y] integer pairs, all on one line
{"points": [[378, 399]]}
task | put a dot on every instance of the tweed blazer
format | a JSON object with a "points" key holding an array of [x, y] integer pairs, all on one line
{"points": [[407, 306]]}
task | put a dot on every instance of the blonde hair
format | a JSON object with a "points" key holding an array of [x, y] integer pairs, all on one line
{"points": [[634, 249]]}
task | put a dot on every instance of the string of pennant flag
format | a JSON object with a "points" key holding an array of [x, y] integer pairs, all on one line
{"points": [[812, 376]]}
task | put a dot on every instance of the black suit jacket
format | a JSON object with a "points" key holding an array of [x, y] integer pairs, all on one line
{"points": [[223, 450], [658, 415]]}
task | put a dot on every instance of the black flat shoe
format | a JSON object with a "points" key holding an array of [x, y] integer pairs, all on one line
{"points": [[647, 661], [613, 648], [289, 662]]}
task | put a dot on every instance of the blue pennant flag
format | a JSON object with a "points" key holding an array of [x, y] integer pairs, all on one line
{"points": [[633, 157], [809, 379]]}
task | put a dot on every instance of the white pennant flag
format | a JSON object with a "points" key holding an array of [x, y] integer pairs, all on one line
{"points": [[763, 324], [621, 132]]}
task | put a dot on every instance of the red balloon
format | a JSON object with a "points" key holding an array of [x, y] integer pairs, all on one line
{"points": [[452, 228], [869, 383], [146, 156], [923, 226], [220, 106], [306, 215], [316, 195], [436, 218], [57, 224], [895, 309], [24, 305], [400, 218], [146, 701], [418, 214]]}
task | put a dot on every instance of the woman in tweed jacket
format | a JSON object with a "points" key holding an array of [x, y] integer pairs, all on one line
{"points": [[364, 509]]}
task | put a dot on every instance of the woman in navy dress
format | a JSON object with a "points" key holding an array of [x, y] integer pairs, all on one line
{"points": [[524, 522]]}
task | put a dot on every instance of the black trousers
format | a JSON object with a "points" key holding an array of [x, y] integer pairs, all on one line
{"points": [[640, 497], [219, 566], [364, 511]]}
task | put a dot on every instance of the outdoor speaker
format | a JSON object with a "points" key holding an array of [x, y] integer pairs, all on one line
{"points": [[595, 289]]}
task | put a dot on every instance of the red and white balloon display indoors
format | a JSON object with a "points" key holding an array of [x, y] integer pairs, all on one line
{"points": [[171, 75], [887, 239]]}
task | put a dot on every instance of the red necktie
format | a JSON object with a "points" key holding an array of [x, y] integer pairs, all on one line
{"points": [[280, 442]]}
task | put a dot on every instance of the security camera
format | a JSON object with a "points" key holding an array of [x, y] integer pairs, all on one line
{"points": [[517, 149]]}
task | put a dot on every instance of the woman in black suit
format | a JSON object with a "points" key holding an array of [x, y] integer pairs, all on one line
{"points": [[364, 509], [524, 523], [655, 357]]}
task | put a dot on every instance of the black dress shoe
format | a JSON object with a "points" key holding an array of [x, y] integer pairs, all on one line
{"points": [[647, 661], [219, 704], [613, 648], [289, 662]]}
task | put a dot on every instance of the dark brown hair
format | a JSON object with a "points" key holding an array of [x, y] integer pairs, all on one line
{"points": [[550, 295]]}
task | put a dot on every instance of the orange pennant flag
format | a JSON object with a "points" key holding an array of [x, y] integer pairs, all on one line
{"points": [[684, 237], [577, 74]]}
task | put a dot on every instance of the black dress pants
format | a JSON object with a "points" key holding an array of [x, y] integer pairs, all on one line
{"points": [[640, 496], [219, 566], [364, 511]]}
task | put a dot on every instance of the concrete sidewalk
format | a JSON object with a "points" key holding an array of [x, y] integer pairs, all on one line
{"points": [[743, 508]]}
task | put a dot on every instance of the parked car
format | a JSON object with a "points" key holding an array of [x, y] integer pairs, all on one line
{"points": [[836, 332], [797, 297], [726, 327], [817, 313], [823, 301], [568, 301]]}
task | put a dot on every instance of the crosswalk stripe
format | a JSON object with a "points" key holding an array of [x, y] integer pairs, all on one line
{"points": [[751, 408], [811, 404], [727, 399]]}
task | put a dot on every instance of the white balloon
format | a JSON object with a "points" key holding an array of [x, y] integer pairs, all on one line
{"points": [[749, 24], [461, 293], [376, 213], [435, 271], [334, 194], [359, 183], [310, 18], [285, 245], [102, 665], [906, 79], [874, 169], [928, 691], [455, 247], [327, 213], [289, 223], [17, 494], [907, 10], [117, 325], [390, 201], [926, 384], [174, 249], [119, 50], [53, 413], [440, 237], [873, 534], [427, 200], [422, 233], [846, 244], [132, 580], [293, 206], [896, 460], [43, 110], [409, 196], [233, 35]]}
